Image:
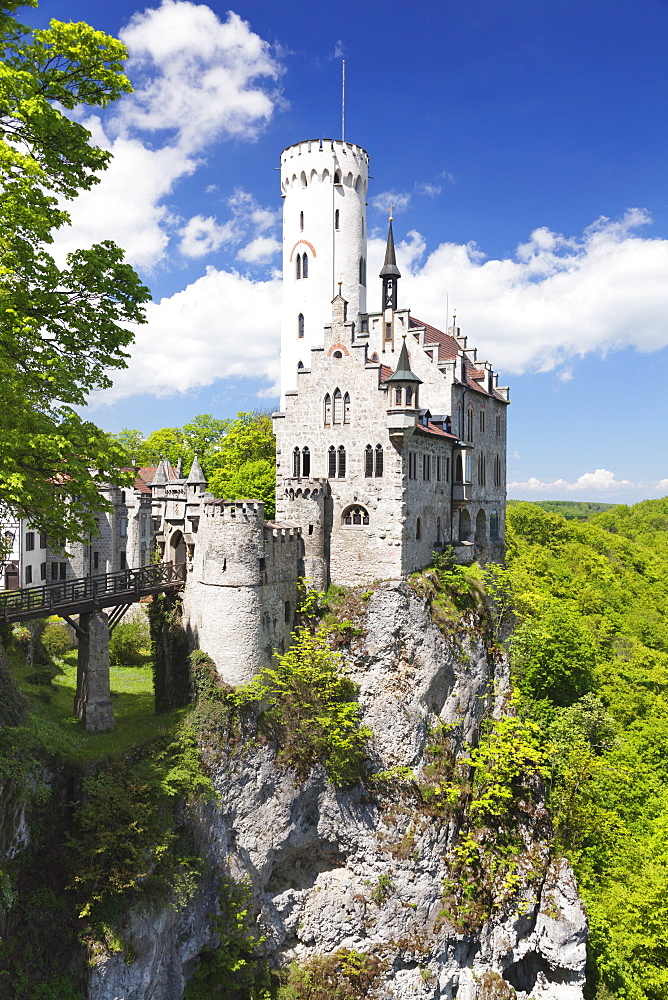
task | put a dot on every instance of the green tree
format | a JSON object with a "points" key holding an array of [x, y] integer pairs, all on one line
{"points": [[251, 481], [62, 329]]}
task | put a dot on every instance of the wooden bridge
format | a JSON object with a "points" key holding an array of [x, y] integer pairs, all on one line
{"points": [[90, 593], [88, 598]]}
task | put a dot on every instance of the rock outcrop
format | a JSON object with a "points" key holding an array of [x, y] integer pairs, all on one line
{"points": [[334, 869]]}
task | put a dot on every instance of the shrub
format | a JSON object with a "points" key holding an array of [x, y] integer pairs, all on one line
{"points": [[56, 639], [311, 709], [128, 641], [346, 975]]}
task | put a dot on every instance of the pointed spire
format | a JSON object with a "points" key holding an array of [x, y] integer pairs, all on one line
{"points": [[196, 475], [389, 268], [160, 477], [403, 372]]}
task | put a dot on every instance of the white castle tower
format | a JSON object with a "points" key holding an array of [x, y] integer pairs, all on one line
{"points": [[324, 185]]}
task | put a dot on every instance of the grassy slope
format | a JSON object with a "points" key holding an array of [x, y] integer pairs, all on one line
{"points": [[593, 600]]}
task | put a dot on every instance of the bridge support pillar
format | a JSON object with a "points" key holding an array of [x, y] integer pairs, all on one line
{"points": [[92, 702]]}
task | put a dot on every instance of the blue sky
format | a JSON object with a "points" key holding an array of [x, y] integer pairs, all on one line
{"points": [[524, 144]]}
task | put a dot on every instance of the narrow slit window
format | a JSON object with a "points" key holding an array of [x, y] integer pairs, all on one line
{"points": [[328, 409], [342, 462], [379, 461], [300, 325], [306, 462], [368, 461], [301, 222], [298, 266], [336, 219], [338, 401], [346, 408], [296, 463], [331, 462], [305, 266]]}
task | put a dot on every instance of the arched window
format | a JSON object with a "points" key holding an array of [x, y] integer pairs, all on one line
{"points": [[467, 468], [498, 472], [379, 461], [464, 525], [368, 461], [355, 515], [362, 228], [346, 408], [469, 421], [298, 266], [337, 406], [331, 462], [306, 462], [418, 529], [336, 219], [337, 177], [303, 179], [300, 365], [397, 397], [482, 470], [494, 525], [459, 421], [300, 325], [328, 409], [301, 222], [459, 470], [305, 265], [342, 462], [409, 396], [362, 271], [296, 463]]}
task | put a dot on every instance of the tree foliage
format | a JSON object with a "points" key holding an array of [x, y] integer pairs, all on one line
{"points": [[62, 327], [591, 660]]}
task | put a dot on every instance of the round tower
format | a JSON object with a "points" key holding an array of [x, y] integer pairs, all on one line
{"points": [[324, 185]]}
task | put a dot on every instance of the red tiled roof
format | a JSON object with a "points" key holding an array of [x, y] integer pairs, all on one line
{"points": [[385, 373], [448, 349], [433, 429]]}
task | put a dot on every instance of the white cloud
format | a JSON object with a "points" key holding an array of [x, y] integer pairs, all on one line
{"points": [[201, 235], [339, 50], [398, 200], [430, 190], [222, 325], [259, 250], [197, 80], [600, 481], [558, 299]]}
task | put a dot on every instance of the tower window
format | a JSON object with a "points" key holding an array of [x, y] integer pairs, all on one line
{"points": [[459, 470], [337, 177], [337, 406], [409, 396], [355, 515], [498, 425], [300, 325], [342, 462], [494, 525], [346, 409], [298, 266], [498, 472], [397, 397], [482, 421], [362, 271], [388, 331], [305, 265], [482, 470], [328, 409], [379, 461], [331, 462], [426, 467], [301, 222], [412, 465], [368, 461], [296, 463], [469, 423], [418, 529], [306, 462], [336, 219]]}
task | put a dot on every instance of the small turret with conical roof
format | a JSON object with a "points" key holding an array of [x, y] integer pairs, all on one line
{"points": [[390, 273], [196, 475], [403, 382]]}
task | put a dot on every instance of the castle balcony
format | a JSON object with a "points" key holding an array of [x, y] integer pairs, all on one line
{"points": [[462, 492], [401, 423]]}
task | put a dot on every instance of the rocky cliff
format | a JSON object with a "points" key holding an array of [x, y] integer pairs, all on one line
{"points": [[368, 869]]}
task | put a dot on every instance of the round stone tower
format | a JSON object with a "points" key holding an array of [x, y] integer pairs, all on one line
{"points": [[324, 184]]}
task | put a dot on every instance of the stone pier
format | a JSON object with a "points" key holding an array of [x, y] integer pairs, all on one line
{"points": [[92, 702]]}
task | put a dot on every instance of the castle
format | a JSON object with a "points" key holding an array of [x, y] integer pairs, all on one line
{"points": [[390, 445], [390, 440]]}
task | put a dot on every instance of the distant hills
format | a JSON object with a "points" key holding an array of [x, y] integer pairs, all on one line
{"points": [[572, 510]]}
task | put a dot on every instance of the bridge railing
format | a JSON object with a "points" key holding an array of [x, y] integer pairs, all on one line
{"points": [[127, 583]]}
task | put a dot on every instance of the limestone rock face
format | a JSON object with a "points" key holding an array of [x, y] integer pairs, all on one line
{"points": [[331, 869]]}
